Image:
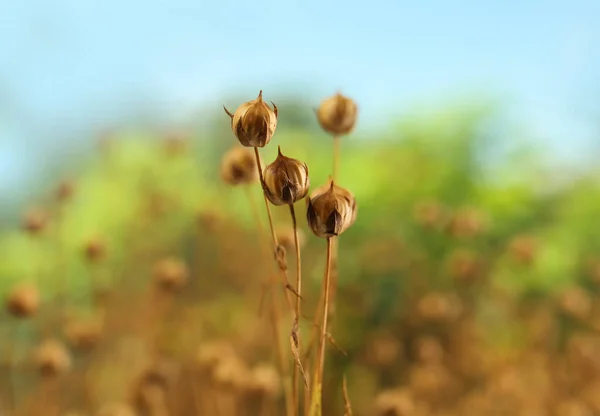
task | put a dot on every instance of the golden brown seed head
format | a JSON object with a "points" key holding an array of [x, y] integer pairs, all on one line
{"points": [[337, 114], [176, 143], [232, 373], [285, 238], [212, 353], [331, 210], [52, 358], [171, 273], [383, 349], [438, 307], [23, 301], [265, 380], [95, 250], [394, 402], [254, 122], [65, 190], [35, 221], [523, 249], [239, 166], [286, 180], [429, 350], [576, 302], [84, 335]]}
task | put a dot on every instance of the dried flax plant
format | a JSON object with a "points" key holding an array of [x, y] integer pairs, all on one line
{"points": [[331, 210], [254, 123], [286, 181], [239, 167]]}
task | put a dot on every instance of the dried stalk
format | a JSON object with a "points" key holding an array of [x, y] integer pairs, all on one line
{"points": [[323, 339], [296, 335], [275, 313]]}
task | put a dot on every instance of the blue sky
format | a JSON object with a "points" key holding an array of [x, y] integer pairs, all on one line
{"points": [[67, 67]]}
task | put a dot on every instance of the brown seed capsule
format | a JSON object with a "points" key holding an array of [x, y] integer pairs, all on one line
{"points": [[171, 273], [23, 301], [265, 380], [383, 349], [213, 353], [254, 122], [239, 166], [35, 221], [337, 114], [286, 180], [394, 402], [52, 358], [331, 210], [523, 249], [285, 238], [95, 250], [575, 302], [64, 190], [232, 373], [176, 143], [84, 335]]}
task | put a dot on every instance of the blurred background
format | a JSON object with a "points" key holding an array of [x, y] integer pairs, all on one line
{"points": [[470, 278]]}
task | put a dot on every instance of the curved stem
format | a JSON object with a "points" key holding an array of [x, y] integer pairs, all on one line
{"points": [[262, 181], [325, 312], [283, 270]]}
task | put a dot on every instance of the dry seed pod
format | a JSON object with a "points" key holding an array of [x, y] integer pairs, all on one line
{"points": [[52, 358], [176, 143], [23, 301], [467, 222], [171, 273], [254, 122], [212, 353], [232, 373], [337, 114], [523, 249], [429, 350], [264, 379], [238, 166], [84, 335], [576, 302], [35, 221], [464, 266], [95, 250], [64, 190], [438, 307], [394, 402], [428, 213], [286, 180], [285, 238], [331, 210], [383, 349]]}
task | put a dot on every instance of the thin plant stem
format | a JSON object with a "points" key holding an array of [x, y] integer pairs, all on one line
{"points": [[334, 260], [298, 303], [336, 157], [262, 181], [283, 363], [323, 339], [314, 341], [282, 270], [275, 313]]}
